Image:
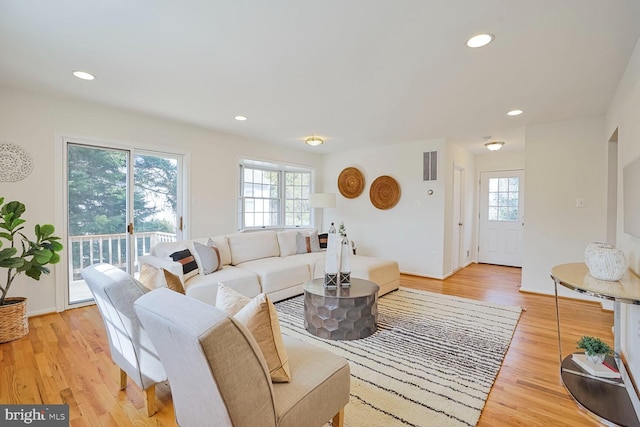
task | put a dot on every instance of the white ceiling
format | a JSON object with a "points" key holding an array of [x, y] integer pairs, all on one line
{"points": [[356, 72]]}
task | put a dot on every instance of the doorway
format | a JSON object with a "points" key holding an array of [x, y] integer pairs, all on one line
{"points": [[501, 219], [120, 203], [457, 225]]}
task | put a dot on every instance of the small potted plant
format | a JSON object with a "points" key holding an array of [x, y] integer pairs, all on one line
{"points": [[595, 349]]}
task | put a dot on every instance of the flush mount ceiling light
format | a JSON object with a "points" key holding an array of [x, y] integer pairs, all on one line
{"points": [[494, 145], [480, 40], [240, 118], [515, 112], [314, 141], [84, 75]]}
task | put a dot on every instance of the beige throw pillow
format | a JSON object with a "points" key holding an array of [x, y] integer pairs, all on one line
{"points": [[153, 278], [261, 318], [229, 300]]}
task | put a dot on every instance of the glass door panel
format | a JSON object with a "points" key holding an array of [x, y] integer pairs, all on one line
{"points": [[156, 216], [97, 212]]}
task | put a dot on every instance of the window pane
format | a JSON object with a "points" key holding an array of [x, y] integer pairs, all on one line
{"points": [[277, 196], [503, 184], [514, 183], [493, 184], [493, 214], [503, 214], [493, 199]]}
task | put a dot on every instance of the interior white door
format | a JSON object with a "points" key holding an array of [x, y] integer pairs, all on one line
{"points": [[501, 218], [456, 224]]}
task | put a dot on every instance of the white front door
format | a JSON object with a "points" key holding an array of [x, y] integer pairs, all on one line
{"points": [[501, 218]]}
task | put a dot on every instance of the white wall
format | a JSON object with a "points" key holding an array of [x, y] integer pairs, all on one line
{"points": [[35, 121], [624, 115], [415, 232], [563, 161], [499, 161]]}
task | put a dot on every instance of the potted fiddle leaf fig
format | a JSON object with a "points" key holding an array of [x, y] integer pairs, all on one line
{"points": [[20, 254]]}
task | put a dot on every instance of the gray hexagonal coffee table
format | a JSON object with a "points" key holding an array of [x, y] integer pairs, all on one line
{"points": [[341, 313]]}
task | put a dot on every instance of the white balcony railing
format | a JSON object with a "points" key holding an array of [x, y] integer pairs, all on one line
{"points": [[111, 248]]}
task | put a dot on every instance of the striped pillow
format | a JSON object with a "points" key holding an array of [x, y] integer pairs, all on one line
{"points": [[189, 265]]}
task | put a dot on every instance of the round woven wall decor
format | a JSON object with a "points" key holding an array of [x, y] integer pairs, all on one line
{"points": [[384, 192], [15, 163], [350, 183]]}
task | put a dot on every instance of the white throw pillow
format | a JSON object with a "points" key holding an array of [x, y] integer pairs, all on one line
{"points": [[207, 256], [287, 242]]}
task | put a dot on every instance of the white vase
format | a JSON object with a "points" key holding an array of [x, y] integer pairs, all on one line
{"points": [[604, 261], [596, 358]]}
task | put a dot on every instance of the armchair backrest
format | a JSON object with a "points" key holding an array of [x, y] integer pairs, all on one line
{"points": [[114, 292], [217, 372]]}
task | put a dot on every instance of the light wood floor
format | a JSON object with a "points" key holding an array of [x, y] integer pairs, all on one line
{"points": [[65, 359]]}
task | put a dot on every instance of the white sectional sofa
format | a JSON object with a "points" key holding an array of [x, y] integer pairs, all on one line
{"points": [[265, 261]]}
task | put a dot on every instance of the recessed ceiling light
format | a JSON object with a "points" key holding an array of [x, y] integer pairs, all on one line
{"points": [[240, 118], [84, 75], [314, 141], [480, 40], [515, 112]]}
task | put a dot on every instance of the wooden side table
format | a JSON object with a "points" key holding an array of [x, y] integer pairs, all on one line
{"points": [[606, 399]]}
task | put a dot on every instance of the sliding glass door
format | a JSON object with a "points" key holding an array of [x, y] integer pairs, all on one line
{"points": [[120, 203]]}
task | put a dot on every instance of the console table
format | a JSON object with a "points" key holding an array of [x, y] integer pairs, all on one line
{"points": [[605, 398]]}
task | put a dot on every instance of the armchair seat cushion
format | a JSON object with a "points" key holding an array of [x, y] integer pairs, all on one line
{"points": [[318, 375]]}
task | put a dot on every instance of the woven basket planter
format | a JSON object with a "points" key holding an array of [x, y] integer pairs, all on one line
{"points": [[14, 323]]}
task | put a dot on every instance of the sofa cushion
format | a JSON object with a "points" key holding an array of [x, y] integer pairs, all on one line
{"points": [[311, 259], [261, 318], [230, 301], [278, 273], [207, 256], [222, 244], [251, 246], [165, 249], [307, 241], [205, 287], [287, 242]]}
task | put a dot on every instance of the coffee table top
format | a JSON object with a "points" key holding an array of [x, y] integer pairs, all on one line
{"points": [[359, 288]]}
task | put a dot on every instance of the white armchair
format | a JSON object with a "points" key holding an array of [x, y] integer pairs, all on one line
{"points": [[131, 348]]}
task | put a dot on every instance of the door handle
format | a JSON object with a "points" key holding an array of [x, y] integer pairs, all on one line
{"points": [[460, 224]]}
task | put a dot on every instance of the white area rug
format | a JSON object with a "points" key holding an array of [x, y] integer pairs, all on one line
{"points": [[431, 362]]}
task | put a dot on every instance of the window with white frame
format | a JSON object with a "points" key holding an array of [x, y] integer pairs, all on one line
{"points": [[273, 195]]}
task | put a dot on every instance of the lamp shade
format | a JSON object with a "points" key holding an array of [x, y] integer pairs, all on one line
{"points": [[322, 200]]}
